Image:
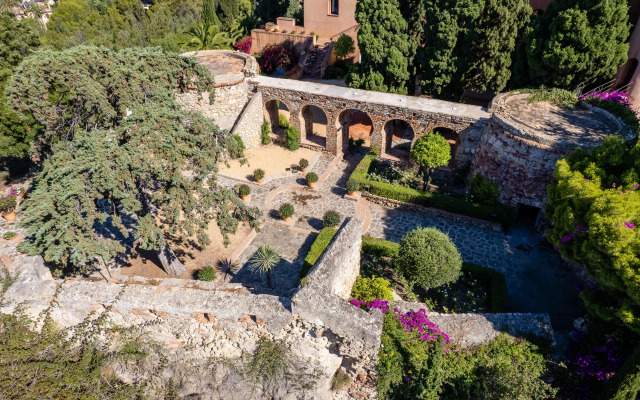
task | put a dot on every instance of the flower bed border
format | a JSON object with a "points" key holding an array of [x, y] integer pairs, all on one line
{"points": [[495, 280], [502, 214]]}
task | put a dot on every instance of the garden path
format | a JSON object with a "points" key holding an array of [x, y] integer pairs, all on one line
{"points": [[538, 279]]}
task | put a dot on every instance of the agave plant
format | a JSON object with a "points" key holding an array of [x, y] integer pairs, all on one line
{"points": [[263, 262], [206, 36]]}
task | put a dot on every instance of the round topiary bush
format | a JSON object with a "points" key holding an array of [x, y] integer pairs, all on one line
{"points": [[312, 177], [303, 163], [258, 174], [369, 289], [286, 210], [428, 258], [244, 190], [207, 274], [331, 219]]}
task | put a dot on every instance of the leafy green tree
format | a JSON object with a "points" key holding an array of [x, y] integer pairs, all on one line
{"points": [[123, 160], [345, 46], [385, 48], [428, 258], [429, 152], [577, 41], [594, 203], [18, 39], [496, 32]]}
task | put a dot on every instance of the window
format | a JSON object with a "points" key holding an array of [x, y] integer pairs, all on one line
{"points": [[333, 7]]}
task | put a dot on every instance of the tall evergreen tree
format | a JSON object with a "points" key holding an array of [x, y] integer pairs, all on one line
{"points": [[446, 54], [578, 41], [385, 48], [123, 159], [496, 32]]}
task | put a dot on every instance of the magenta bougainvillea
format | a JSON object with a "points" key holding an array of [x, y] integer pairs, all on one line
{"points": [[244, 45], [275, 56], [619, 97]]}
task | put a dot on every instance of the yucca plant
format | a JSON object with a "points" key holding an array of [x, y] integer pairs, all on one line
{"points": [[263, 261]]}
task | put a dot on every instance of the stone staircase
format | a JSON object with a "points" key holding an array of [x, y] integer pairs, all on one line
{"points": [[313, 65]]}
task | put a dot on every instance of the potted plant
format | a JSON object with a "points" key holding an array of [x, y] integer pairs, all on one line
{"points": [[331, 219], [9, 235], [312, 178], [244, 191], [7, 207], [17, 191], [353, 187], [303, 164], [286, 211], [258, 175]]}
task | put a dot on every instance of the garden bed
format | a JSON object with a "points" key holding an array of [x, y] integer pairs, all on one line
{"points": [[396, 187], [479, 289]]}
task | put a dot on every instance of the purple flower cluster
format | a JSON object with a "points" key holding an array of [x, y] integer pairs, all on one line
{"points": [[244, 45], [615, 95], [629, 225], [602, 362], [567, 238], [582, 228], [13, 191], [411, 321], [274, 56]]}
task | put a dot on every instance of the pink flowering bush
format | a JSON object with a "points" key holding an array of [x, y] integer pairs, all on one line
{"points": [[275, 56], [620, 97], [616, 103], [244, 45]]}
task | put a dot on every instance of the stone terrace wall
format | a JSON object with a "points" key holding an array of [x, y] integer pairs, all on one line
{"points": [[323, 300], [249, 126]]}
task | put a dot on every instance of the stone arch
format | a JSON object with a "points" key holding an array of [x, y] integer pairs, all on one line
{"points": [[353, 123], [314, 125], [452, 137], [399, 136], [272, 109]]}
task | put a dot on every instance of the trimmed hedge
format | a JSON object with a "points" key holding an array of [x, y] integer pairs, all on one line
{"points": [[502, 214], [495, 280]]}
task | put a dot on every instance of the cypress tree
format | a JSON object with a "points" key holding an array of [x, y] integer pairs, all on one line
{"points": [[577, 41], [385, 48]]}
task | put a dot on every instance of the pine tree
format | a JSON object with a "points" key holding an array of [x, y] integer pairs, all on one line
{"points": [[578, 41], [495, 40], [127, 161], [385, 48]]}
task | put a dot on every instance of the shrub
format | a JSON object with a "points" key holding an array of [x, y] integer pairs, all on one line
{"points": [[303, 163], [292, 138], [286, 210], [353, 185], [243, 45], [258, 174], [8, 235], [312, 177], [269, 362], [331, 219], [561, 97], [484, 191], [503, 214], [266, 130], [369, 289], [7, 203], [282, 121], [244, 190], [344, 46], [340, 380], [428, 258], [236, 146], [274, 56], [207, 274]]}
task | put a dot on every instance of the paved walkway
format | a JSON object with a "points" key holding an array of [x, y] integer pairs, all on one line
{"points": [[538, 279]]}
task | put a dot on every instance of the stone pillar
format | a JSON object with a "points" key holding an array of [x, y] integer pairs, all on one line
{"points": [[294, 119], [378, 136], [334, 134]]}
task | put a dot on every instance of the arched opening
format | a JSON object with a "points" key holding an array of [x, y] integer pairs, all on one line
{"points": [[357, 128], [277, 113], [399, 136], [314, 125], [452, 138]]}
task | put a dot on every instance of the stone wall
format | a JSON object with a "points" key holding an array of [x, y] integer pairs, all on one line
{"points": [[522, 168], [323, 299], [249, 125], [422, 114], [298, 41]]}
